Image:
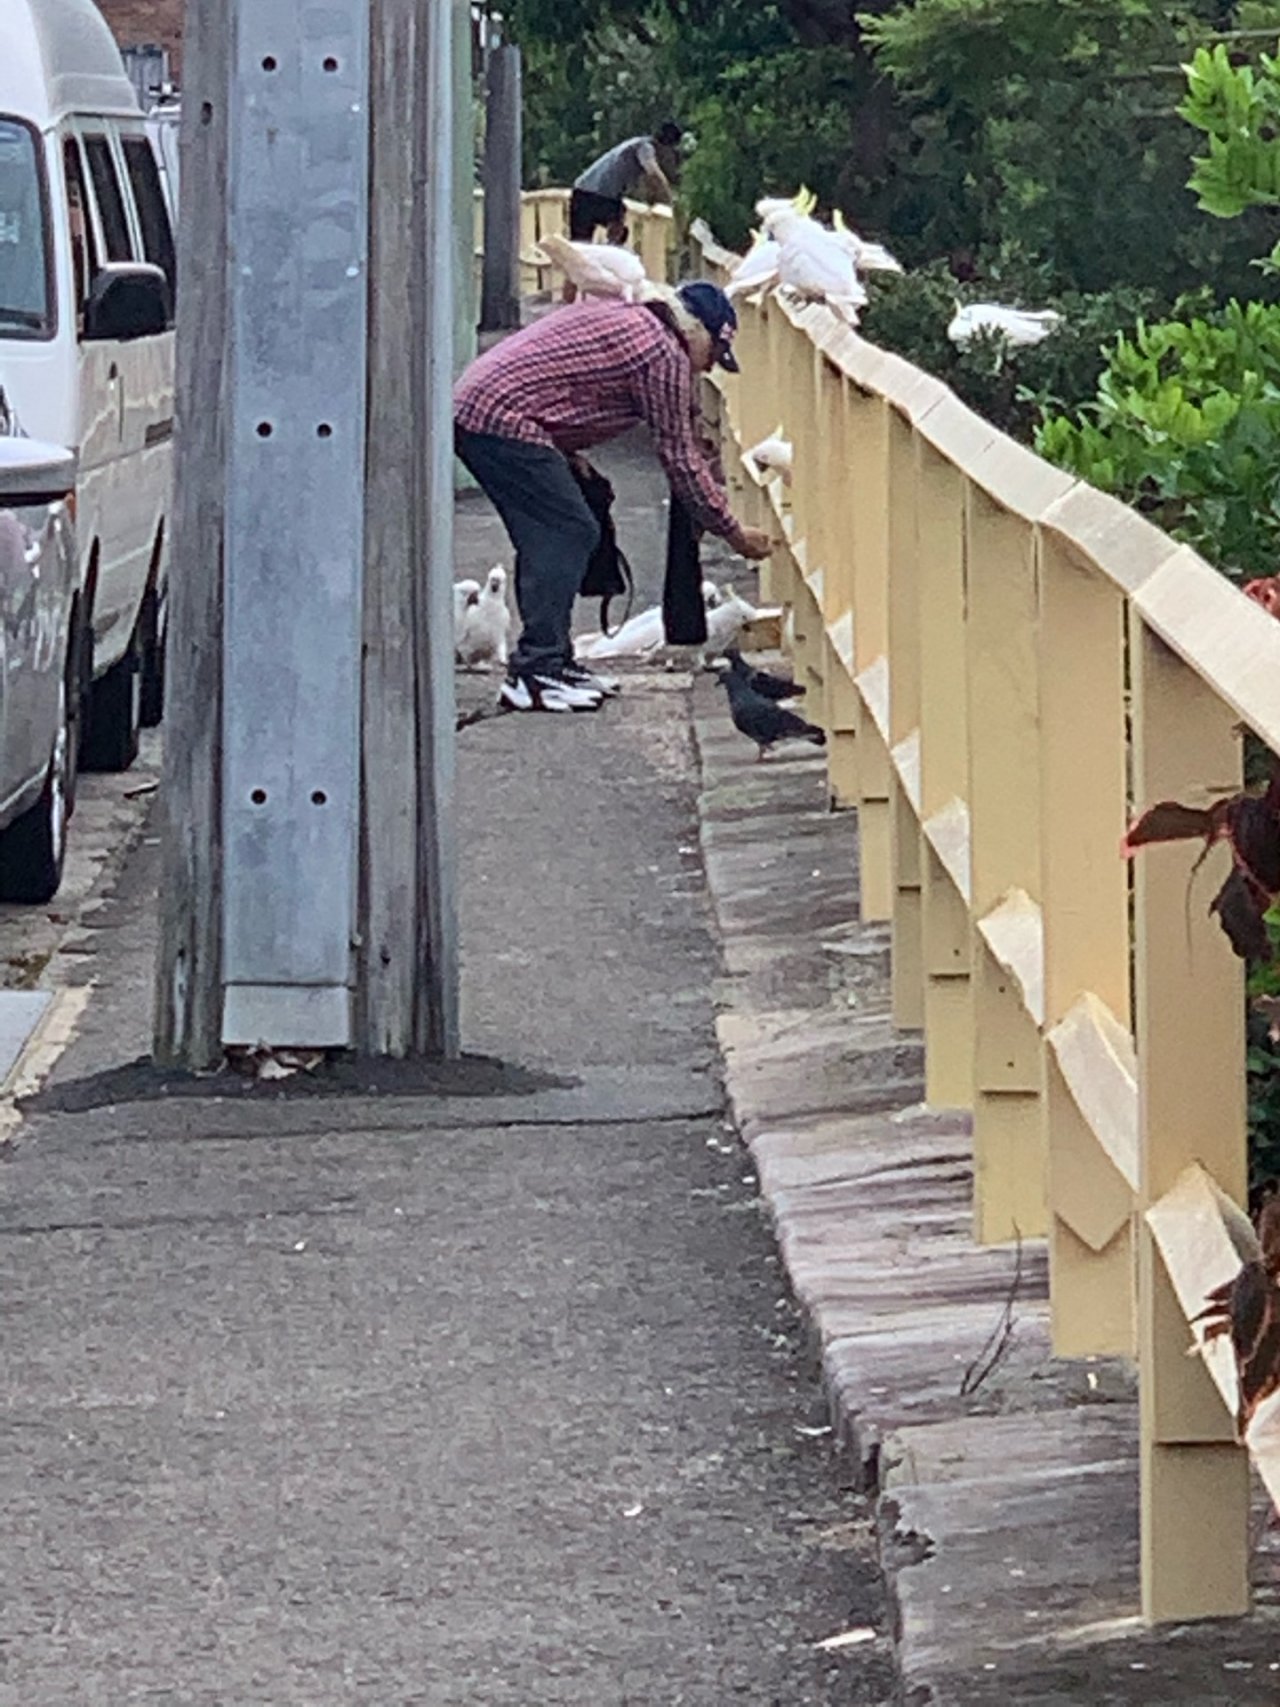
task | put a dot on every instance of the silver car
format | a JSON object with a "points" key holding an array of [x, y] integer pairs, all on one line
{"points": [[40, 669]]}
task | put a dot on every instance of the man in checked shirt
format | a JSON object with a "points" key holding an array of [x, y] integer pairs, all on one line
{"points": [[580, 376]]}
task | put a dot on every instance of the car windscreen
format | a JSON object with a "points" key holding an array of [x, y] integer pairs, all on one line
{"points": [[26, 296]]}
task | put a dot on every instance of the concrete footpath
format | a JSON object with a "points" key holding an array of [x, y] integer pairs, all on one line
{"points": [[474, 1385]]}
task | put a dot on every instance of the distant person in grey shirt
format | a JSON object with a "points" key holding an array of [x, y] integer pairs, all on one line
{"points": [[598, 193]]}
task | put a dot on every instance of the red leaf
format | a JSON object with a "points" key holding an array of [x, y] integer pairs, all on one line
{"points": [[1241, 911], [1170, 822]]}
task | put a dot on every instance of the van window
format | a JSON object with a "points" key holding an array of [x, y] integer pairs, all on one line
{"points": [[84, 251], [26, 296], [148, 197], [107, 194]]}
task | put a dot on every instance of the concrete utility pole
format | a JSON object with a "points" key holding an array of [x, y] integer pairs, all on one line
{"points": [[307, 894], [500, 300]]}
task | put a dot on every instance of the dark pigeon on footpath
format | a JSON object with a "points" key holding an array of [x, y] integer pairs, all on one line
{"points": [[763, 721], [768, 686]]}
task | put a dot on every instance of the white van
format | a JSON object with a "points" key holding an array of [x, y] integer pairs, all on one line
{"points": [[87, 272]]}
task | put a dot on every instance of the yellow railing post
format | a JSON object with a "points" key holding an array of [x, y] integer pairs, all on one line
{"points": [[1190, 1012], [867, 445], [1004, 802], [1086, 937], [904, 725], [944, 780]]}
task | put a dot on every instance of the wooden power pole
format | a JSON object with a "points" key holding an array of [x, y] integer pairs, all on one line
{"points": [[503, 145], [308, 788]]}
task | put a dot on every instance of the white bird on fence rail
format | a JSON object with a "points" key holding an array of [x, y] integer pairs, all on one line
{"points": [[758, 268], [597, 269], [868, 257], [815, 266], [775, 453], [486, 623], [1017, 326]]}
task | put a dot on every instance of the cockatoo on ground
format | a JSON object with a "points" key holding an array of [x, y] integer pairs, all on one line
{"points": [[1017, 326], [465, 594], [597, 269], [774, 452], [486, 624], [643, 636]]}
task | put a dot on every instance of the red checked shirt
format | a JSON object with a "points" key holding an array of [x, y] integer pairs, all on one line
{"points": [[586, 373]]}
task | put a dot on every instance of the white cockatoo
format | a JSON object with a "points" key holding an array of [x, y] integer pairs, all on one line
{"points": [[726, 622], [867, 257], [814, 265], [465, 594], [773, 453], [642, 635], [1017, 326], [486, 623], [758, 268], [597, 269]]}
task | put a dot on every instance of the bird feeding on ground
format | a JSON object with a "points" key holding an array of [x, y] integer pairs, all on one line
{"points": [[763, 682], [773, 453], [644, 636], [465, 594], [762, 720], [1017, 326], [597, 269], [486, 624]]}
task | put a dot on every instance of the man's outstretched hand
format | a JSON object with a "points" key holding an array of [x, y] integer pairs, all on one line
{"points": [[756, 543]]}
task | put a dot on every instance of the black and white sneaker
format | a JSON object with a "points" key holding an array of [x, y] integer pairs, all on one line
{"points": [[545, 691], [579, 676]]}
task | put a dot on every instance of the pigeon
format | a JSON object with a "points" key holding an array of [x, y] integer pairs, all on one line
{"points": [[768, 686], [597, 269], [486, 627], [763, 721], [773, 452], [1017, 326]]}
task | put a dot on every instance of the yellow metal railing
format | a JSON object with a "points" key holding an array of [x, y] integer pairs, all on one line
{"points": [[545, 213], [1007, 662]]}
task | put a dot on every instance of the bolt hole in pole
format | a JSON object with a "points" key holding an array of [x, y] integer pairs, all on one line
{"points": [[331, 63], [259, 797], [269, 63], [265, 429], [319, 798], [324, 431]]}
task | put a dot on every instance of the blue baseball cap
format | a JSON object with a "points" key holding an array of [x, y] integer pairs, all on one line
{"points": [[708, 303]]}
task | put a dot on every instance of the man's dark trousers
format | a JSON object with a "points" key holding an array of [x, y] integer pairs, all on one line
{"points": [[554, 534]]}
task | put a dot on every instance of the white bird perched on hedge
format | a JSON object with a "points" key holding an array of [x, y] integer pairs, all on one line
{"points": [[597, 269], [774, 452], [486, 623], [1017, 326]]}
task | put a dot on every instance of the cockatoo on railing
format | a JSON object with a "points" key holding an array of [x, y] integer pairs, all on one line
{"points": [[758, 268], [867, 257], [597, 269], [773, 453], [1017, 326]]}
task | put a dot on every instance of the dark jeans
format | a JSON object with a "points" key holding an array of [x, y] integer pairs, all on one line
{"points": [[553, 531], [587, 210]]}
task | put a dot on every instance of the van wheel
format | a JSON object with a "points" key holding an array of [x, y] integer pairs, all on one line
{"points": [[34, 848], [153, 656], [110, 740]]}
